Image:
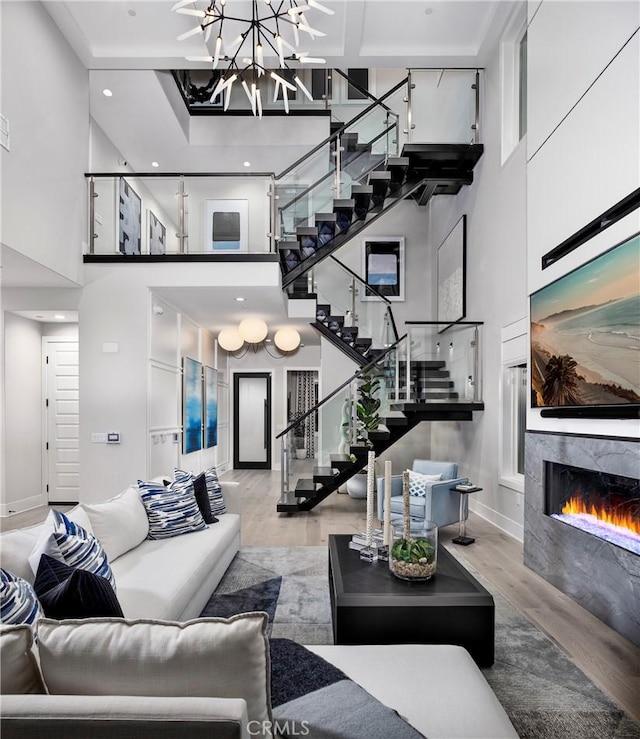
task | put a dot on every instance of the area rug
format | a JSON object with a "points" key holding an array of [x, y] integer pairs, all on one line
{"points": [[545, 695]]}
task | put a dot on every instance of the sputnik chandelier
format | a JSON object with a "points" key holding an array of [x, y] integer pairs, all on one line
{"points": [[274, 26]]}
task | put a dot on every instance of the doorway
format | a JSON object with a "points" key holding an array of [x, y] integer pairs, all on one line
{"points": [[61, 392], [252, 420]]}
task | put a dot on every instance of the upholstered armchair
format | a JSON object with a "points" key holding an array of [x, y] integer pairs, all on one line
{"points": [[440, 504]]}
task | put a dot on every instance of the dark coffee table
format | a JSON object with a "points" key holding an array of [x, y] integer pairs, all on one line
{"points": [[371, 606]]}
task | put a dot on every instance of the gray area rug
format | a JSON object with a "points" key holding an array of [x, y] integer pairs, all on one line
{"points": [[544, 693]]}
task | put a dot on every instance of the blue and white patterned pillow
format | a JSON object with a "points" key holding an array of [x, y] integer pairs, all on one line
{"points": [[18, 601], [214, 489], [171, 510], [418, 483], [73, 545]]}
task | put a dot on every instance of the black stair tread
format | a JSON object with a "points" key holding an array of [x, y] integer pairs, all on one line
{"points": [[340, 461], [302, 296], [282, 507], [325, 217], [344, 203], [306, 231], [361, 189], [323, 474], [424, 364], [325, 307], [398, 162], [428, 382], [359, 450], [289, 244], [306, 488], [379, 174], [363, 341], [336, 319], [382, 432], [438, 396], [395, 418]]}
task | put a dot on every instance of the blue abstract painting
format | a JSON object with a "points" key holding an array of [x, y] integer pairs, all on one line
{"points": [[192, 405], [210, 407]]}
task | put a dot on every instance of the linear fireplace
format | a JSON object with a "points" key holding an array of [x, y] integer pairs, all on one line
{"points": [[576, 471], [602, 504]]}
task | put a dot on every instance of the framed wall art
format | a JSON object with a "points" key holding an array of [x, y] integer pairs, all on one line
{"points": [[192, 405], [451, 274], [226, 225], [210, 407], [129, 219], [383, 267], [156, 234]]}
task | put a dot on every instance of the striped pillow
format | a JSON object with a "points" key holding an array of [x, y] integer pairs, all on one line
{"points": [[18, 601], [171, 510], [73, 545], [214, 489]]}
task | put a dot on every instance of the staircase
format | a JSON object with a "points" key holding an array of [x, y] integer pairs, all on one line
{"points": [[423, 170], [368, 184]]}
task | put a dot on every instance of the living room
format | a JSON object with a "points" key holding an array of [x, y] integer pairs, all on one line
{"points": [[578, 159]]}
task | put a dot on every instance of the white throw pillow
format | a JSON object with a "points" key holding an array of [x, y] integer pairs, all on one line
{"points": [[19, 673], [418, 483], [206, 657], [120, 523]]}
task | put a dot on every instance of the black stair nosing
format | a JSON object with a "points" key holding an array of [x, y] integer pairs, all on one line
{"points": [[424, 364], [435, 383], [340, 461], [306, 231], [401, 161], [440, 396], [335, 319], [359, 450], [325, 217], [344, 203], [395, 418], [380, 174], [291, 245], [288, 507], [324, 474], [305, 488], [361, 190]]}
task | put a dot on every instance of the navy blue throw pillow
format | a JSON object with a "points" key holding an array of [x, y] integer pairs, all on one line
{"points": [[68, 592], [202, 498]]}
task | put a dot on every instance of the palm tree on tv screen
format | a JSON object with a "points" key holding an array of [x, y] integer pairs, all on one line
{"points": [[561, 381]]}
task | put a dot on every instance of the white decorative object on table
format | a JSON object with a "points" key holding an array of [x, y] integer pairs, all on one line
{"points": [[369, 552]]}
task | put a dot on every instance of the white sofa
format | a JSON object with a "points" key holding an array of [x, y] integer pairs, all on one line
{"points": [[171, 579]]}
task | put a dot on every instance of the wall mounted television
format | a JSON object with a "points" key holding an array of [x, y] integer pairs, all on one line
{"points": [[585, 338]]}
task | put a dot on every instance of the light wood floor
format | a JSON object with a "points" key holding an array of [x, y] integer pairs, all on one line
{"points": [[610, 661]]}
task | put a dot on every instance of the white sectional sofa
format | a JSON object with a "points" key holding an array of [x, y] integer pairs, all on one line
{"points": [[171, 580]]}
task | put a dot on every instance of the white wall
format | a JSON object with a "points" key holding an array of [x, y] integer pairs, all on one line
{"points": [[23, 414], [496, 294], [584, 158], [45, 98]]}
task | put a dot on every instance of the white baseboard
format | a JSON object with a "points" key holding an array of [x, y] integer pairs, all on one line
{"points": [[24, 504], [497, 519]]}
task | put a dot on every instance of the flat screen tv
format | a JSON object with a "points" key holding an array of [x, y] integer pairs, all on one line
{"points": [[585, 338]]}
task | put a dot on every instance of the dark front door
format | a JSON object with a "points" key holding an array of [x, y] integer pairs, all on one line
{"points": [[252, 420]]}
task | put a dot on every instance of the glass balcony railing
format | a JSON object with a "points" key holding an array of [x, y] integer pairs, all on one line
{"points": [[440, 362]]}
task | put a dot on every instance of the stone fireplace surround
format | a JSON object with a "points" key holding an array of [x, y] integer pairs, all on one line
{"points": [[602, 577]]}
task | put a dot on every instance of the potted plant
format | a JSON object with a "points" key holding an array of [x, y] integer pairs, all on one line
{"points": [[368, 404]]}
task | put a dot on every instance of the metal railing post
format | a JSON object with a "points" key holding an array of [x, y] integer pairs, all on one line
{"points": [[274, 226], [476, 363], [182, 235], [407, 378], [476, 125], [336, 182], [92, 215], [408, 101]]}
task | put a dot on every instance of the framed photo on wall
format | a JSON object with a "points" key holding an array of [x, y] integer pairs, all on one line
{"points": [[452, 277], [156, 234], [383, 267], [226, 225], [192, 405], [129, 219], [210, 407]]}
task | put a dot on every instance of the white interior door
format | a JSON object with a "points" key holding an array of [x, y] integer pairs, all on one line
{"points": [[252, 420], [62, 420]]}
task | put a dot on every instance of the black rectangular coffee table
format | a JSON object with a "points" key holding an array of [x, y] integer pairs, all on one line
{"points": [[369, 605]]}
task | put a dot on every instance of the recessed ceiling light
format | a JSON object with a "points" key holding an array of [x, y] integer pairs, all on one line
{"points": [[59, 317], [107, 92], [428, 11], [246, 164], [240, 300], [132, 13], [155, 164]]}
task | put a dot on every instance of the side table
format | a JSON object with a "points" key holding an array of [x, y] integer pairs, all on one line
{"points": [[462, 537]]}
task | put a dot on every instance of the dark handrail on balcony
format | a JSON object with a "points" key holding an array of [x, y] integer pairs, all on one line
{"points": [[361, 89], [342, 129], [342, 387], [447, 323]]}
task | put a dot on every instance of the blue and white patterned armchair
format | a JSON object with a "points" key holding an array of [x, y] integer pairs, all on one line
{"points": [[440, 504]]}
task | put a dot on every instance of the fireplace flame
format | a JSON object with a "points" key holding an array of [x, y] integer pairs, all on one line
{"points": [[623, 520]]}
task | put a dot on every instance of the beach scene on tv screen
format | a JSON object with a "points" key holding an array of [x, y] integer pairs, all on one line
{"points": [[585, 333]]}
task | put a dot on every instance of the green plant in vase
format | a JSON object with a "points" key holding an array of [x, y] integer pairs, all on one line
{"points": [[416, 551], [368, 404]]}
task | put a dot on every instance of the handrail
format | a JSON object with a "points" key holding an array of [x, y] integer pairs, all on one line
{"points": [[357, 276], [341, 130], [328, 174], [446, 323], [167, 175], [361, 90], [360, 372], [393, 323]]}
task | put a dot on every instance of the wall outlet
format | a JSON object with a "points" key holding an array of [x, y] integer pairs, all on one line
{"points": [[113, 437], [98, 438]]}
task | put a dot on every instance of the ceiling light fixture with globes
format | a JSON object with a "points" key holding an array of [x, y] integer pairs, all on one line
{"points": [[254, 332], [240, 43]]}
